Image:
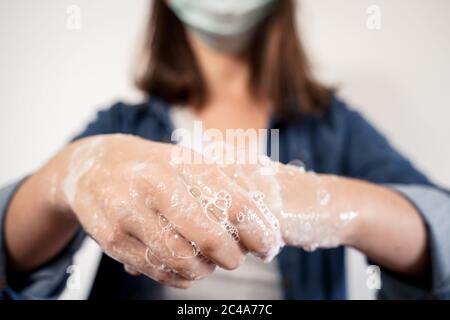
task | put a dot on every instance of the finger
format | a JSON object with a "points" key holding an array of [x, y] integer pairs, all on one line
{"points": [[250, 222], [207, 231], [129, 251], [167, 247], [258, 231], [130, 270], [253, 212], [135, 254]]}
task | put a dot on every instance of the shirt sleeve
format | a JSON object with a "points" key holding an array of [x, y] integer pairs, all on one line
{"points": [[369, 156], [48, 281], [6, 194], [434, 206]]}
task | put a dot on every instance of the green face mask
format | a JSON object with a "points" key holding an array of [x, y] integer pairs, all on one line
{"points": [[225, 25]]}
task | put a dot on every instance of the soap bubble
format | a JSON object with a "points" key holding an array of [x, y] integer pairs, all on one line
{"points": [[296, 167], [179, 246]]}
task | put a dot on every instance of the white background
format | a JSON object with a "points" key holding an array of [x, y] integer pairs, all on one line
{"points": [[52, 80]]}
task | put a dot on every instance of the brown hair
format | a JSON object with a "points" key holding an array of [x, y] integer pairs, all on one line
{"points": [[279, 67]]}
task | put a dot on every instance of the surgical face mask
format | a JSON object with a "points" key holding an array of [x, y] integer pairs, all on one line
{"points": [[224, 25]]}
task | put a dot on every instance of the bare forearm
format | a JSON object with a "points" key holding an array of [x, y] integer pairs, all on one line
{"points": [[325, 211], [37, 224], [389, 230]]}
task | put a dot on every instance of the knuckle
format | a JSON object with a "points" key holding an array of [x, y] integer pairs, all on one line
{"points": [[232, 263], [193, 270], [211, 245], [113, 240], [164, 278], [262, 243], [115, 203], [201, 275], [151, 275], [182, 266], [215, 249]]}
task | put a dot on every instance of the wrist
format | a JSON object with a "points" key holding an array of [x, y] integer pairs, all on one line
{"points": [[35, 226], [55, 181], [359, 197], [54, 202], [353, 232]]}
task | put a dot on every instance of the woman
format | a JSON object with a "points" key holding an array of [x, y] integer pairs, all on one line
{"points": [[230, 65]]}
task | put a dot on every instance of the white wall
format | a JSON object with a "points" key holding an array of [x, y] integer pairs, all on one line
{"points": [[52, 79], [398, 76]]}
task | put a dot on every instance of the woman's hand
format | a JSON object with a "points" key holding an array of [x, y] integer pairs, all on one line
{"points": [[157, 216], [172, 221], [175, 220], [324, 211], [300, 201]]}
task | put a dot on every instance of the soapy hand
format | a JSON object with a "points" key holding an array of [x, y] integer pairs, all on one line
{"points": [[301, 201], [168, 220]]}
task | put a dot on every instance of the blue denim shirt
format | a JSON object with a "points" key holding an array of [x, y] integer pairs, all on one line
{"points": [[342, 142]]}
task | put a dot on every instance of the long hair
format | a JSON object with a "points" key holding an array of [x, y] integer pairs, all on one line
{"points": [[279, 66]]}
